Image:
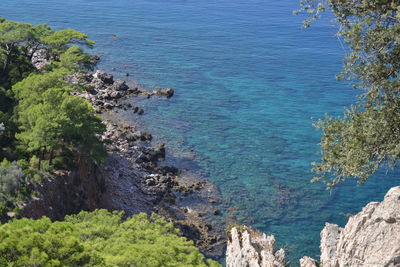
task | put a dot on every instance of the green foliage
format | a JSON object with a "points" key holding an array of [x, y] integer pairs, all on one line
{"points": [[58, 41], [98, 238], [13, 186], [28, 242], [60, 121], [43, 126], [11, 178], [367, 136], [76, 60], [49, 120], [12, 37]]}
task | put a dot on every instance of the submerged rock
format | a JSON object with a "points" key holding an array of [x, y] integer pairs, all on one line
{"points": [[247, 247], [167, 92]]}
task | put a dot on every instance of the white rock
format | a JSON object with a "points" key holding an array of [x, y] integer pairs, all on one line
{"points": [[247, 248]]}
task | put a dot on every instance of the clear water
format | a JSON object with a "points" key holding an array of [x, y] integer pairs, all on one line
{"points": [[249, 82]]}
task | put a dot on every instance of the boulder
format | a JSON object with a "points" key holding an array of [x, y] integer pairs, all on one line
{"points": [[104, 77], [167, 92], [40, 58], [120, 85], [108, 105], [115, 95]]}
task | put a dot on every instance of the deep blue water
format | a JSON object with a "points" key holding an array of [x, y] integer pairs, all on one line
{"points": [[249, 82]]}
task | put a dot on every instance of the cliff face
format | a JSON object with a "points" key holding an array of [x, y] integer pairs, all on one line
{"points": [[249, 248], [115, 185], [67, 192], [370, 238]]}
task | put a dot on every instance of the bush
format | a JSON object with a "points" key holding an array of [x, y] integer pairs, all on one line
{"points": [[11, 179]]}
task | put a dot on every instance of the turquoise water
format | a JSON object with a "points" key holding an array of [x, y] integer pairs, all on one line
{"points": [[249, 82]]}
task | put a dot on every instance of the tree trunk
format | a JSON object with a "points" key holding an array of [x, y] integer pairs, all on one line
{"points": [[40, 158], [51, 156]]}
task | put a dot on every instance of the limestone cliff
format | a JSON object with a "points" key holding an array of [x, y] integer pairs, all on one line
{"points": [[249, 248], [370, 238]]}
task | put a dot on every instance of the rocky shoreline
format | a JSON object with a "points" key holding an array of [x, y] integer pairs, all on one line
{"points": [[370, 238], [133, 178]]}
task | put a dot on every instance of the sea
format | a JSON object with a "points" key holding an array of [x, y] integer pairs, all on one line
{"points": [[249, 84]]}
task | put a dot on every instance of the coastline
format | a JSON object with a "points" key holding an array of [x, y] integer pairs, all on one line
{"points": [[133, 179]]}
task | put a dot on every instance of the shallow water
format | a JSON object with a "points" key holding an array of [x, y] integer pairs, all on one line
{"points": [[249, 82]]}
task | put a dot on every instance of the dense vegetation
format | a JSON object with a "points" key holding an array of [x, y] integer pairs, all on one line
{"points": [[98, 238], [42, 127], [367, 136]]}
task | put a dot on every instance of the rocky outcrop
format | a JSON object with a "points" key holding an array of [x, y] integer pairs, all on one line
{"points": [[39, 58], [167, 92], [247, 247], [308, 262], [67, 192], [370, 238]]}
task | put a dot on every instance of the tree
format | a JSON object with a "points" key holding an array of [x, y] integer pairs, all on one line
{"points": [[367, 137], [19, 41], [59, 121], [98, 238], [12, 37], [48, 119]]}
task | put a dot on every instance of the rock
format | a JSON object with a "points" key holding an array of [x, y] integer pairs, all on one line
{"points": [[120, 85], [99, 103], [150, 182], [329, 238], [370, 238], [115, 95], [40, 58], [143, 136], [167, 92], [104, 77], [140, 111], [130, 137], [161, 150], [108, 105], [247, 247], [95, 59], [97, 83], [167, 170], [133, 90], [308, 262]]}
